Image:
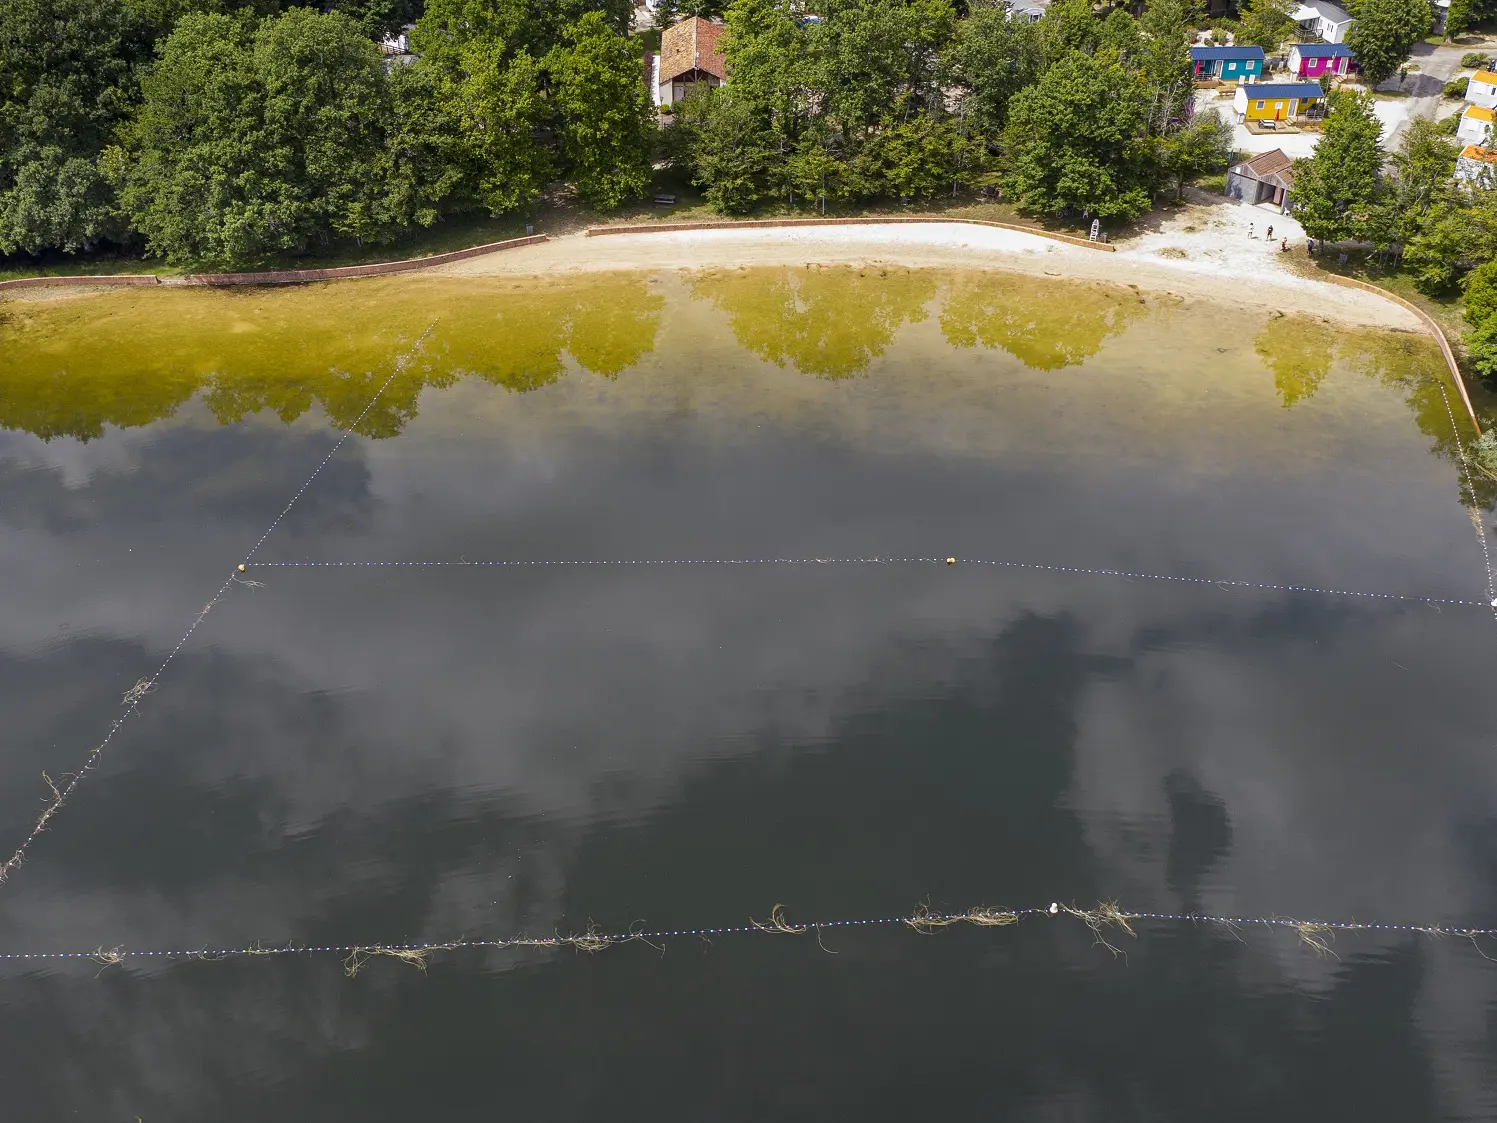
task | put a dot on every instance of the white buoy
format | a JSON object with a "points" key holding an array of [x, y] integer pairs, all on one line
{"points": [[1054, 907]]}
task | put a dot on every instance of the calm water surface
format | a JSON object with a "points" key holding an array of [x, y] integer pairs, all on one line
{"points": [[367, 754]]}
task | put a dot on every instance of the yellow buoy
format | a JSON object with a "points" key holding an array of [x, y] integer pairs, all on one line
{"points": [[950, 561], [241, 567]]}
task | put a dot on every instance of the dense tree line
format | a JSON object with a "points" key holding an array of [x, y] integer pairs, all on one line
{"points": [[224, 133], [1081, 113], [230, 132]]}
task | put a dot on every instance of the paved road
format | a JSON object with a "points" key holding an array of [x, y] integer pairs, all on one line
{"points": [[1429, 69]]}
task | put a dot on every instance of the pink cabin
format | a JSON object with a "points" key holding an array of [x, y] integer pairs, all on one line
{"points": [[1311, 60]]}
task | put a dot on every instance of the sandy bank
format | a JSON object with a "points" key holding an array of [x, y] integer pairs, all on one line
{"points": [[1258, 283]]}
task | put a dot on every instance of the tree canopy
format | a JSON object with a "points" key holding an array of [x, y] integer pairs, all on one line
{"points": [[256, 138], [1075, 140], [68, 75], [1384, 34], [607, 131], [1266, 23], [1340, 180], [229, 133]]}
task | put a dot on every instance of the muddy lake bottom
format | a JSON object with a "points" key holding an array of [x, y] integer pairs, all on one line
{"points": [[723, 668]]}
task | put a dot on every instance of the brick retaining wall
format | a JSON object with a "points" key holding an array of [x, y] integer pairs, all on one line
{"points": [[344, 272], [105, 279], [1429, 322], [283, 276], [762, 223]]}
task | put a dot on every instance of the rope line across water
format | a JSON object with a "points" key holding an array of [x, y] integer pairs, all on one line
{"points": [[1106, 921], [997, 563], [137, 693]]}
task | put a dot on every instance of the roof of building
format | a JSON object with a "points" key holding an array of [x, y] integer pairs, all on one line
{"points": [[1202, 54], [1475, 152], [691, 45], [1323, 50], [1281, 89], [1324, 9], [1267, 163], [1270, 167], [1479, 113], [1485, 76]]}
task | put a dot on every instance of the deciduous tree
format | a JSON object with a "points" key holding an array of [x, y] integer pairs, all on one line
{"points": [[69, 73], [256, 139], [1342, 176], [730, 151], [485, 77], [992, 58], [1205, 145], [1075, 140], [1384, 33], [607, 126], [1266, 23]]}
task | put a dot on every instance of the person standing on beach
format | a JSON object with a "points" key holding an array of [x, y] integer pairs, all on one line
{"points": [[1250, 230], [1269, 235]]}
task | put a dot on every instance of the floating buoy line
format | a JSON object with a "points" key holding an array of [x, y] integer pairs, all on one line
{"points": [[644, 563], [1108, 924]]}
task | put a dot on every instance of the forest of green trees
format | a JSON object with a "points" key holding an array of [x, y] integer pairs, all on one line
{"points": [[233, 132]]}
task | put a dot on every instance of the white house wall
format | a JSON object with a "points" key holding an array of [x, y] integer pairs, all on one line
{"points": [[1483, 94]]}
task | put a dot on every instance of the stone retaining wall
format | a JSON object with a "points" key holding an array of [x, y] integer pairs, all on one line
{"points": [[762, 223]]}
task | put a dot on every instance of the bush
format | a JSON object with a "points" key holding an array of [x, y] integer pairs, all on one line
{"points": [[1480, 285], [1483, 451], [1481, 351], [1474, 60], [1446, 126], [1456, 87]]}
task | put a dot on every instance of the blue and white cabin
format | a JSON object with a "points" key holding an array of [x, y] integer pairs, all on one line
{"points": [[1230, 64]]}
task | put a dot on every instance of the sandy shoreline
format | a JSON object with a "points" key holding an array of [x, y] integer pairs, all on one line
{"points": [[1203, 252], [1206, 270]]}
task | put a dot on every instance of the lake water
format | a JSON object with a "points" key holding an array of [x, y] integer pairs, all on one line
{"points": [[353, 755]]}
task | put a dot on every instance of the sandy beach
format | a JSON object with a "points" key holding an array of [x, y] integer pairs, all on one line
{"points": [[1203, 251]]}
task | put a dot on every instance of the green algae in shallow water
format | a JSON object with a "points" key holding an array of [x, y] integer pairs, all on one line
{"points": [[1046, 325], [1298, 350], [68, 367], [826, 321]]}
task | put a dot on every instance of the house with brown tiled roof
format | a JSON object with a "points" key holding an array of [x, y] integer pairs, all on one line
{"points": [[690, 58], [1266, 178]]}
